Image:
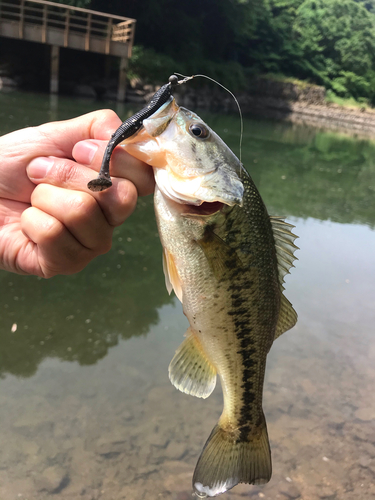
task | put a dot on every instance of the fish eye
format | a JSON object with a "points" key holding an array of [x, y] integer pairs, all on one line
{"points": [[199, 130]]}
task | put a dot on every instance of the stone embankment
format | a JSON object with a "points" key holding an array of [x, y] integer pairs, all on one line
{"points": [[265, 97], [276, 99]]}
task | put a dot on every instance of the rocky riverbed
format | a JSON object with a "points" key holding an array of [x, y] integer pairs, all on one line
{"points": [[137, 438]]}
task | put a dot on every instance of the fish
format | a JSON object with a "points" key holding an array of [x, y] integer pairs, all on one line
{"points": [[226, 260]]}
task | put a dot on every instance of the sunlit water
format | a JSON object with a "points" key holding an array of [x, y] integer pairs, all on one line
{"points": [[86, 408]]}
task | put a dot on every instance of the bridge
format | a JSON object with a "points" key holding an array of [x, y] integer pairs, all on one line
{"points": [[60, 25]]}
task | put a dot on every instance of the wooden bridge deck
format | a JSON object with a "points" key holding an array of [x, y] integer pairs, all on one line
{"points": [[62, 25]]}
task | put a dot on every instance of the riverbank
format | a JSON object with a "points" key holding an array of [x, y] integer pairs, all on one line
{"points": [[292, 101], [328, 116], [295, 102]]}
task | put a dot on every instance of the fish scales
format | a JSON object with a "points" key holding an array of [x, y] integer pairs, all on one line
{"points": [[225, 258], [254, 298]]}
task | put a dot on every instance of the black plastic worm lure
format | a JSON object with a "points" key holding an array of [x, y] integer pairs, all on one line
{"points": [[127, 129]]}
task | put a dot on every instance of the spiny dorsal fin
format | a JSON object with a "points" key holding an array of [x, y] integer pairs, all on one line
{"points": [[172, 278], [190, 371], [287, 317], [285, 247]]}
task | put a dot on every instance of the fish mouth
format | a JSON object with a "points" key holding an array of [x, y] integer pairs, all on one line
{"points": [[200, 190], [205, 208]]}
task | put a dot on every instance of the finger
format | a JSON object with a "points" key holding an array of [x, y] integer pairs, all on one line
{"points": [[58, 251], [53, 139], [79, 212], [59, 138], [90, 153], [117, 203], [64, 135]]}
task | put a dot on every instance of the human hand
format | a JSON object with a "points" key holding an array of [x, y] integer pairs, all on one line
{"points": [[50, 222]]}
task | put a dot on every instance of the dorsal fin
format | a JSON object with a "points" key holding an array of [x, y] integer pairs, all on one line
{"points": [[285, 247], [287, 317]]}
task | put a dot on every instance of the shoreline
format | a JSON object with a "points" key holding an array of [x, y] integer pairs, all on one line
{"points": [[320, 114], [333, 117], [294, 107]]}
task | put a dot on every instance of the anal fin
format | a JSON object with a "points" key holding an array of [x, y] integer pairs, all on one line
{"points": [[190, 371]]}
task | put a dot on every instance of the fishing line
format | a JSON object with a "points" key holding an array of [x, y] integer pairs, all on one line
{"points": [[187, 78], [130, 126]]}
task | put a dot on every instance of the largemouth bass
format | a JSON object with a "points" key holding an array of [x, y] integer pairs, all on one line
{"points": [[226, 259]]}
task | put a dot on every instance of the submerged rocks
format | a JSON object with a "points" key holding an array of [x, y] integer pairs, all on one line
{"points": [[290, 490], [365, 414], [52, 480], [7, 83]]}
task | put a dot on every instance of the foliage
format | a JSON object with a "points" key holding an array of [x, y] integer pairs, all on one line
{"points": [[153, 67], [350, 102], [150, 66], [368, 4], [327, 42], [338, 34]]}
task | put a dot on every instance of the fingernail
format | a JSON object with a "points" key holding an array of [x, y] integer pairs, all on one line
{"points": [[39, 167], [84, 152]]}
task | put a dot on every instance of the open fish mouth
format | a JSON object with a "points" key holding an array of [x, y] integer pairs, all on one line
{"points": [[206, 208]]}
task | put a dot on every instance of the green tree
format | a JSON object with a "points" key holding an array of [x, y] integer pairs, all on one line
{"points": [[273, 47], [338, 38], [368, 4]]}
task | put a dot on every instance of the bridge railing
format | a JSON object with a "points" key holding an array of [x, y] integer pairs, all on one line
{"points": [[50, 22]]}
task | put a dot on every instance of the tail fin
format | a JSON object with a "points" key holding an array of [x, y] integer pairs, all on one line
{"points": [[225, 462]]}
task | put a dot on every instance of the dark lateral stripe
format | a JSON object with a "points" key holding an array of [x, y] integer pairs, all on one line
{"points": [[239, 312], [246, 342], [242, 324], [249, 357]]}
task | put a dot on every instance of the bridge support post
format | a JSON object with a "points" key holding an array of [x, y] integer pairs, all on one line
{"points": [[55, 59], [122, 79]]}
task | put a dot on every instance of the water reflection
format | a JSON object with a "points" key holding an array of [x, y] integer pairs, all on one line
{"points": [[77, 318], [301, 172], [304, 172]]}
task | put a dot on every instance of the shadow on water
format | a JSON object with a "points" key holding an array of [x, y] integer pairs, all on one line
{"points": [[300, 171], [77, 318]]}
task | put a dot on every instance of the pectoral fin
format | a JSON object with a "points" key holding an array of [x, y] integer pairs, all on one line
{"points": [[190, 371], [219, 254], [172, 278]]}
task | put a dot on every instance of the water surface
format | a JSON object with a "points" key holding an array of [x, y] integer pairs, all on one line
{"points": [[86, 407]]}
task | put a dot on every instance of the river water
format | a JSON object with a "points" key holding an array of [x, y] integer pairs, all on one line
{"points": [[86, 408]]}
